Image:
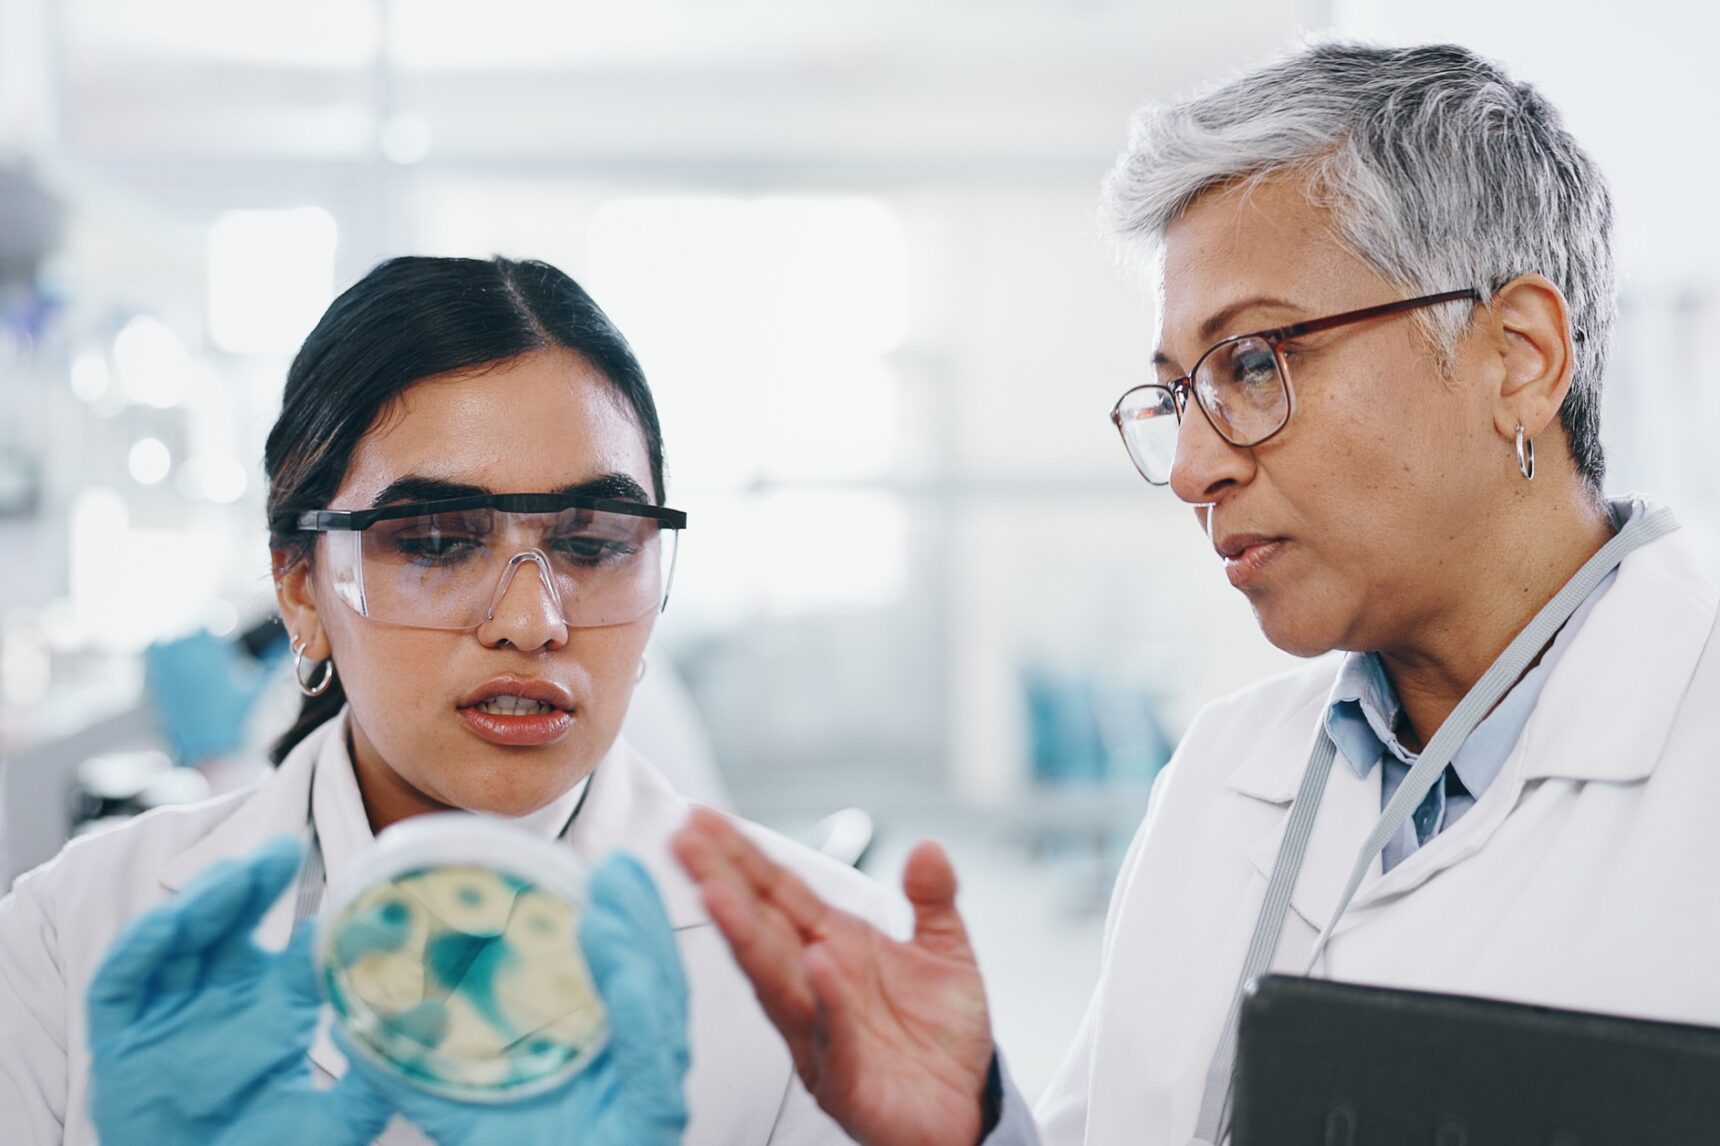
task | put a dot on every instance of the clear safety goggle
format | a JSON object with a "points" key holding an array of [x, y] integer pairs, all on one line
{"points": [[448, 564]]}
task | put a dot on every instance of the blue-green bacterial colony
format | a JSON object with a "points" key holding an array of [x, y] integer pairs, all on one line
{"points": [[467, 981]]}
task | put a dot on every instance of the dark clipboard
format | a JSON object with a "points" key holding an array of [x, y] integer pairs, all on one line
{"points": [[1333, 1064]]}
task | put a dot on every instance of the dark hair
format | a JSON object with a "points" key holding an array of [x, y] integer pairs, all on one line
{"points": [[409, 319]]}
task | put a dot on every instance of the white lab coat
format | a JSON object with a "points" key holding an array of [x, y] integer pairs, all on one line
{"points": [[59, 920], [1582, 878]]}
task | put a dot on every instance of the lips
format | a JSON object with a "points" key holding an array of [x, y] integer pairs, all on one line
{"points": [[1246, 556], [1233, 545], [518, 712]]}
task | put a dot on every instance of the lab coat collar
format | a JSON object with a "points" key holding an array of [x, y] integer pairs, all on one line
{"points": [[277, 806], [630, 807], [1636, 652], [343, 825], [1272, 771], [1635, 656]]}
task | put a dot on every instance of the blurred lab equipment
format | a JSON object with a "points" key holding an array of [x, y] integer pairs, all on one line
{"points": [[202, 688], [845, 836], [1094, 751], [119, 785]]}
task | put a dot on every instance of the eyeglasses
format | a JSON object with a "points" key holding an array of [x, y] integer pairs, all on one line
{"points": [[448, 564], [1241, 384]]}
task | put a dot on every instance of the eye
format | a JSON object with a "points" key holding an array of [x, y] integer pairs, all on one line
{"points": [[1254, 364], [591, 549], [434, 547]]}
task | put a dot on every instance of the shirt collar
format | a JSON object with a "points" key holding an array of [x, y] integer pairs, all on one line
{"points": [[1362, 714], [337, 807]]}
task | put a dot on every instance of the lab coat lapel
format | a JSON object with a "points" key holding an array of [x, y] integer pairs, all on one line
{"points": [[1631, 661], [1348, 809], [1609, 706], [278, 806], [1607, 709], [632, 808]]}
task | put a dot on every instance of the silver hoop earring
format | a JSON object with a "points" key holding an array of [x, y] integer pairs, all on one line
{"points": [[315, 687], [1525, 454], [640, 675]]}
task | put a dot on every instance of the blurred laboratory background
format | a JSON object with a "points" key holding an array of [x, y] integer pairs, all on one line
{"points": [[855, 244]]}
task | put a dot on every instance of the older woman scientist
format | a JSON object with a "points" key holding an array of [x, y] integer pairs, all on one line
{"points": [[454, 415], [1387, 299]]}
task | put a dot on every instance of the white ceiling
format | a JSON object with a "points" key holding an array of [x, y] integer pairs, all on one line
{"points": [[619, 81]]}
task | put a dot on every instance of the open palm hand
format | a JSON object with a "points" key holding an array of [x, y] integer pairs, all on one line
{"points": [[892, 1038]]}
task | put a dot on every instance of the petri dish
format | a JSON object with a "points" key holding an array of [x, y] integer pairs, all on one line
{"points": [[448, 953]]}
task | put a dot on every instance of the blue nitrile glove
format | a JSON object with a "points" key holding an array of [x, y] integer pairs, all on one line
{"points": [[199, 1037], [631, 1093], [202, 688]]}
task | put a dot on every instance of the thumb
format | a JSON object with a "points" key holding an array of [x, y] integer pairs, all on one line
{"points": [[929, 882], [355, 1109], [636, 966], [297, 970]]}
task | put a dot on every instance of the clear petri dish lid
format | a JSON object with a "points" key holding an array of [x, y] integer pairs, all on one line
{"points": [[449, 954]]}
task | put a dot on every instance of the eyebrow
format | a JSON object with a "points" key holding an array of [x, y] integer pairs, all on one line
{"points": [[1219, 320], [418, 487]]}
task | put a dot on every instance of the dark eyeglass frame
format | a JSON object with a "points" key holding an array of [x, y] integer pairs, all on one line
{"points": [[327, 520], [1180, 389]]}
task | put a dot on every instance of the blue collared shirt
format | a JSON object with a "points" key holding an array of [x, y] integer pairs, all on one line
{"points": [[1363, 717]]}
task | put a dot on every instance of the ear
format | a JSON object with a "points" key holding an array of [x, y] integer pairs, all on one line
{"points": [[295, 592], [1532, 327]]}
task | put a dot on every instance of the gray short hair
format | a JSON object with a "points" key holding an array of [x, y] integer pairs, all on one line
{"points": [[1441, 171]]}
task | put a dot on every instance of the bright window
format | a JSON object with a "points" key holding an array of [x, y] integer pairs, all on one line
{"points": [[767, 326]]}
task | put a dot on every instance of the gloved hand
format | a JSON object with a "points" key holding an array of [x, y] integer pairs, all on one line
{"points": [[203, 689], [631, 1093], [199, 1037]]}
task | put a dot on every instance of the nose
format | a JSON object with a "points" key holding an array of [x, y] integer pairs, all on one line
{"points": [[526, 612], [1205, 464]]}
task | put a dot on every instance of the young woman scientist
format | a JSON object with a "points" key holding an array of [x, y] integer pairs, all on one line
{"points": [[502, 387]]}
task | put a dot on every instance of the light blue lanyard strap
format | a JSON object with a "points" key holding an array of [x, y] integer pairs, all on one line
{"points": [[1215, 1102], [1213, 1123]]}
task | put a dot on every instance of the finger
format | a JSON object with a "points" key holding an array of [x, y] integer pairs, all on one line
{"points": [[354, 1109], [929, 882], [838, 994], [625, 903], [297, 970], [769, 950], [636, 965], [841, 1016], [218, 912], [163, 949], [695, 844], [121, 985], [768, 879], [372, 1087], [766, 944]]}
